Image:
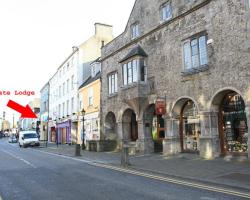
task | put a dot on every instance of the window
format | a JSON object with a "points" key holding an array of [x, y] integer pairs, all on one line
{"points": [[68, 86], [72, 105], [112, 81], [195, 52], [63, 110], [60, 91], [166, 12], [135, 31], [93, 70], [90, 96], [63, 88], [67, 107], [72, 82], [67, 66], [59, 110], [133, 71]]}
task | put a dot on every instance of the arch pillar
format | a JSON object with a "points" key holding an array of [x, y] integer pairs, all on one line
{"points": [[144, 142], [171, 143], [209, 139], [119, 135]]}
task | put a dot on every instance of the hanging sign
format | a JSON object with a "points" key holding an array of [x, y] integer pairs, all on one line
{"points": [[160, 107]]}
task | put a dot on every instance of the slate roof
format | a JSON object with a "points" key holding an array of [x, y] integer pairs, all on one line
{"points": [[90, 80], [137, 51]]}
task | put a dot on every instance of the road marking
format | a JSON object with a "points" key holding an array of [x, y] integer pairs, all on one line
{"points": [[19, 158], [159, 178]]}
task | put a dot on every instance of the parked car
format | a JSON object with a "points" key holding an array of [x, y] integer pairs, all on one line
{"points": [[6, 134], [12, 139], [28, 138]]}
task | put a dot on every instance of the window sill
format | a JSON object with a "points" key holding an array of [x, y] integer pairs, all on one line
{"points": [[112, 95], [195, 70]]}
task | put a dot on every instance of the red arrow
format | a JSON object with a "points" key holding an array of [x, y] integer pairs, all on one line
{"points": [[26, 112]]}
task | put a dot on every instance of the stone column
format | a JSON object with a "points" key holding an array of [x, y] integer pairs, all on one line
{"points": [[209, 145], [144, 143], [171, 143], [119, 135]]}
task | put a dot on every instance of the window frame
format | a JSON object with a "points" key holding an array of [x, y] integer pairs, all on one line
{"points": [[189, 40], [90, 96], [112, 83], [136, 68], [164, 5], [135, 34]]}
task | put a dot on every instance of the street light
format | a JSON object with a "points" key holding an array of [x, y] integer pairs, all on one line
{"points": [[83, 130]]}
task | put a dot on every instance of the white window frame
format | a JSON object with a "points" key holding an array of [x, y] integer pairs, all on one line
{"points": [[90, 96], [190, 56], [112, 83], [134, 66], [72, 82], [135, 30], [165, 16]]}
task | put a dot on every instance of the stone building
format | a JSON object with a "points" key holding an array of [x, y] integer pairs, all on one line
{"points": [[177, 79]]}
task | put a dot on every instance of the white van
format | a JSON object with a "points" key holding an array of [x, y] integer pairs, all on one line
{"points": [[28, 138]]}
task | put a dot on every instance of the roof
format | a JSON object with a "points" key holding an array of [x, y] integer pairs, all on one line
{"points": [[137, 51], [90, 80]]}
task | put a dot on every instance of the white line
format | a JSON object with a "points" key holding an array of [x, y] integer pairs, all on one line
{"points": [[19, 158], [159, 178]]}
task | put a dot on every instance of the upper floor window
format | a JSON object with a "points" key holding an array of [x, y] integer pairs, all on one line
{"points": [[72, 82], [135, 30], [90, 96], [166, 11], [195, 52], [133, 71], [112, 82]]}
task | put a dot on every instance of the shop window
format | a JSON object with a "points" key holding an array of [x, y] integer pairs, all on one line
{"points": [[235, 130]]}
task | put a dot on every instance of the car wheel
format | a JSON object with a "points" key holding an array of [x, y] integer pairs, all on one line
{"points": [[20, 145]]}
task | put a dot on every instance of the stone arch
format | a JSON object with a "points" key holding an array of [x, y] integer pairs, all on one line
{"points": [[219, 95], [110, 126], [177, 105], [232, 120], [129, 125], [186, 121]]}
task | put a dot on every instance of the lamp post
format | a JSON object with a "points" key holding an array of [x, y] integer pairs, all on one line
{"points": [[83, 130]]}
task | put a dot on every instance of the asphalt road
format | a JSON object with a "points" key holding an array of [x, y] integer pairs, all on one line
{"points": [[28, 174]]}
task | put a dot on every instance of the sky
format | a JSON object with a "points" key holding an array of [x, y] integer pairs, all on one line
{"points": [[37, 35]]}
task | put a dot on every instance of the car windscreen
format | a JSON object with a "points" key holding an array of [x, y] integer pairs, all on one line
{"points": [[29, 135]]}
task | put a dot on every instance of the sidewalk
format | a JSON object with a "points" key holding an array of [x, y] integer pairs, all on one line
{"points": [[233, 172]]}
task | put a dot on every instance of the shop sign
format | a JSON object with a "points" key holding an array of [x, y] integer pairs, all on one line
{"points": [[160, 107]]}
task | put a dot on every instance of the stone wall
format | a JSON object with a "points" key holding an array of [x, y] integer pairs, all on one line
{"points": [[226, 24]]}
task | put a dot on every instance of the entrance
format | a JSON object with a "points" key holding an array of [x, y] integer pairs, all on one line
{"points": [[154, 127], [233, 124], [130, 126], [189, 127]]}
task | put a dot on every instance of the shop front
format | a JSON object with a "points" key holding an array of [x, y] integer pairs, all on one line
{"points": [[64, 132], [233, 127]]}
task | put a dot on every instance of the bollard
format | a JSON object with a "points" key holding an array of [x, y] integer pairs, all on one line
{"points": [[124, 157], [78, 150]]}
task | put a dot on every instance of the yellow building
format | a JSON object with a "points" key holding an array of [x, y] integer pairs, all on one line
{"points": [[89, 100]]}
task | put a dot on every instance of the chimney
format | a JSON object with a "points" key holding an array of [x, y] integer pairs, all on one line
{"points": [[103, 29], [74, 48]]}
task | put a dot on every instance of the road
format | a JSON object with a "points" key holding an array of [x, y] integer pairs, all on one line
{"points": [[28, 174]]}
